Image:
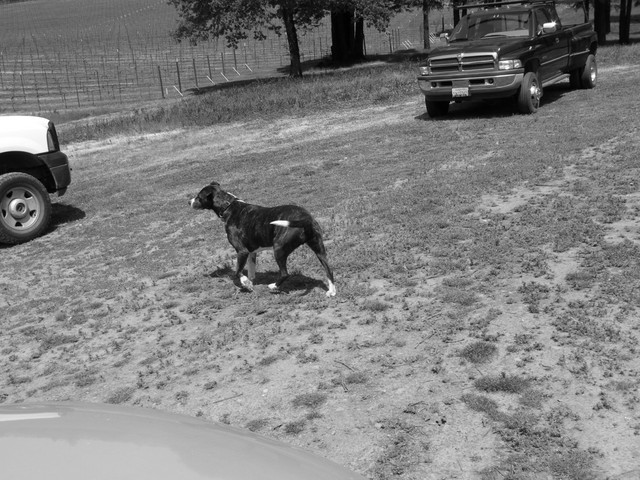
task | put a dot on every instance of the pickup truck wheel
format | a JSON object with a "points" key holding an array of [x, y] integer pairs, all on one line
{"points": [[436, 109], [589, 75], [530, 94], [25, 208]]}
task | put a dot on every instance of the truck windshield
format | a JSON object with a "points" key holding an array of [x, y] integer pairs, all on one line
{"points": [[492, 24]]}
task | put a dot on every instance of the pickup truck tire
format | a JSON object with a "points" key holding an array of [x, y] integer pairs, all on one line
{"points": [[589, 74], [437, 108], [25, 208], [530, 93]]}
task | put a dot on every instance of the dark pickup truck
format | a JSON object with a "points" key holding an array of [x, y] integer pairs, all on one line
{"points": [[508, 50]]}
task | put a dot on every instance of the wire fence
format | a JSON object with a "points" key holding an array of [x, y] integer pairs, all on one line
{"points": [[130, 56]]}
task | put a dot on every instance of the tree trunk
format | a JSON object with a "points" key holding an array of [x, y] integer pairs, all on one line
{"points": [[625, 21], [358, 46], [600, 20], [341, 34], [585, 8], [292, 39], [347, 36], [425, 24], [456, 13]]}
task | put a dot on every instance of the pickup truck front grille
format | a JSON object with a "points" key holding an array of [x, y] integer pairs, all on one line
{"points": [[464, 62]]}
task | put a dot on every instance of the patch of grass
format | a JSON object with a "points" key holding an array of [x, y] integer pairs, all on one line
{"points": [[120, 395], [295, 428], [532, 294], [479, 352], [268, 99], [356, 378], [86, 378], [483, 404], [376, 305], [257, 424], [311, 400], [573, 465], [502, 383], [458, 296], [268, 360], [532, 398], [55, 340], [536, 449]]}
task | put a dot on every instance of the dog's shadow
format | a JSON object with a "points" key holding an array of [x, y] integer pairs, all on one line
{"points": [[295, 283]]}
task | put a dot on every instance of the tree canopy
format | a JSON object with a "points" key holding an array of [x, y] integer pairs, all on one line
{"points": [[236, 20]]}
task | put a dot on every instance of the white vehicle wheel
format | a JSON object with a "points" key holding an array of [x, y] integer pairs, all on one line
{"points": [[25, 208]]}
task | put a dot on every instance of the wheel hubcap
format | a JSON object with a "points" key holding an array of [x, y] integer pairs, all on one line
{"points": [[535, 93], [19, 209]]}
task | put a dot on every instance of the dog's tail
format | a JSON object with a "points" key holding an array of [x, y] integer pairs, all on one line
{"points": [[288, 223], [311, 228]]}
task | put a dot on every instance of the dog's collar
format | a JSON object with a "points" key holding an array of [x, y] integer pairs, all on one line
{"points": [[229, 202]]}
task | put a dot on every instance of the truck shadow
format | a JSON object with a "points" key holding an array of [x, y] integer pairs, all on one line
{"points": [[497, 108], [62, 213]]}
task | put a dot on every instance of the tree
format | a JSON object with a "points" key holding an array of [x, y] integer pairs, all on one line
{"points": [[348, 18], [600, 23], [235, 20], [347, 34], [625, 21], [426, 6]]}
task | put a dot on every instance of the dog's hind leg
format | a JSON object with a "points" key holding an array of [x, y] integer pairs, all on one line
{"points": [[252, 262], [281, 259], [318, 248]]}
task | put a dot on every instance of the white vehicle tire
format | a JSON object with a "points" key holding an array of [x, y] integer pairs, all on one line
{"points": [[25, 208]]}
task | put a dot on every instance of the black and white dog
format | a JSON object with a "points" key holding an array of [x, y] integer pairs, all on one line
{"points": [[251, 228]]}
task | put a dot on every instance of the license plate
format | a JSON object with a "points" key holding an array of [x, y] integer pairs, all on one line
{"points": [[460, 92]]}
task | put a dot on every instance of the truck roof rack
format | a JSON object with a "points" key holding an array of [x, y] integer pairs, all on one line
{"points": [[498, 4]]}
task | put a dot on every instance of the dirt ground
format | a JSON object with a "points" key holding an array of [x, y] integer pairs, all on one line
{"points": [[116, 304]]}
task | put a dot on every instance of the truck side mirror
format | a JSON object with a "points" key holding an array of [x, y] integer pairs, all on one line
{"points": [[549, 27]]}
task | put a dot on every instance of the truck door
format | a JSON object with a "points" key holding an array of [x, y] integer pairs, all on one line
{"points": [[554, 46]]}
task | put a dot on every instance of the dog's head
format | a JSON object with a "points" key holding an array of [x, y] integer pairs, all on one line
{"points": [[212, 197]]}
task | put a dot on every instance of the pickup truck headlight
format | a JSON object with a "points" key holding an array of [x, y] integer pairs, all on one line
{"points": [[52, 138], [509, 64], [425, 70]]}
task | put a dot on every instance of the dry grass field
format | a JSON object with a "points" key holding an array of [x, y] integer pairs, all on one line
{"points": [[487, 268]]}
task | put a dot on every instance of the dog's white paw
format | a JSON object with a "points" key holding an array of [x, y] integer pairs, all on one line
{"points": [[331, 292], [246, 283], [273, 286]]}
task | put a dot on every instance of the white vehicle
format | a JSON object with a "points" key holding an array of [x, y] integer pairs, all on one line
{"points": [[80, 441], [31, 167]]}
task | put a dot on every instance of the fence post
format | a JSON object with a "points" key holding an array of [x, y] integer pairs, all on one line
{"points": [[195, 73], [161, 85], [99, 86], [179, 80]]}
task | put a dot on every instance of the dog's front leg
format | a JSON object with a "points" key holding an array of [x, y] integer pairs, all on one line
{"points": [[251, 266], [243, 255]]}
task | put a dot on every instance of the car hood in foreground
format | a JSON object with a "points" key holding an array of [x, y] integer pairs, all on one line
{"points": [[73, 441]]}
